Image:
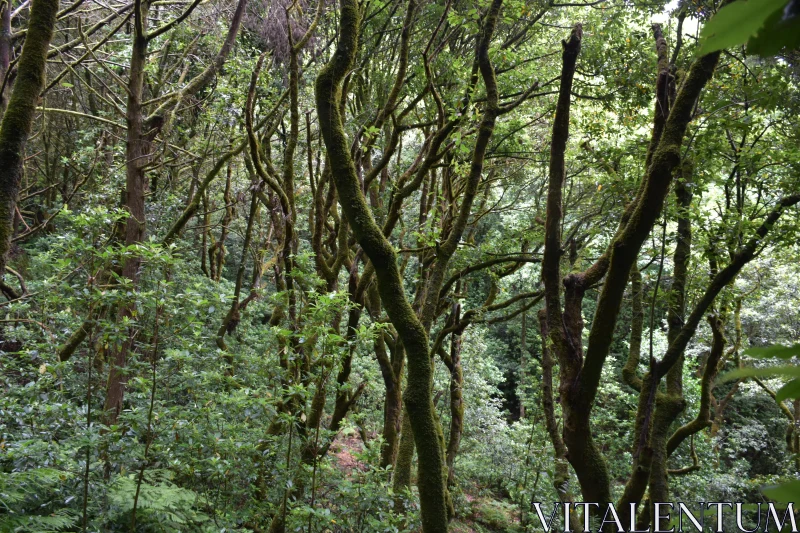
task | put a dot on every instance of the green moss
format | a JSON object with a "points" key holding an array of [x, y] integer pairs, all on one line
{"points": [[418, 393], [495, 515], [18, 118]]}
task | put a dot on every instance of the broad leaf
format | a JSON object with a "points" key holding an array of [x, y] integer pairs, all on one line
{"points": [[778, 32], [736, 23], [770, 371], [790, 390], [775, 351]]}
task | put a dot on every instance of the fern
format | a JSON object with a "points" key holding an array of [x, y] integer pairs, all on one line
{"points": [[17, 487], [23, 496], [60, 520], [164, 504]]}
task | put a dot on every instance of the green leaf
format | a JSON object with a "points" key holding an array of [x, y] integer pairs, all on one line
{"points": [[790, 390], [775, 351], [735, 23], [788, 371], [785, 492], [776, 34]]}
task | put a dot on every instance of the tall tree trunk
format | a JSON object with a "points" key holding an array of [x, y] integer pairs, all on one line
{"points": [[565, 327], [418, 395], [561, 477], [137, 149], [18, 117], [671, 404], [581, 374]]}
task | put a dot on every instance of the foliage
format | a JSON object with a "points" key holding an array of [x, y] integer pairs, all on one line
{"points": [[260, 375], [766, 27]]}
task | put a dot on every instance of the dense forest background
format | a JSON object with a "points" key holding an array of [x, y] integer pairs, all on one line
{"points": [[392, 265]]}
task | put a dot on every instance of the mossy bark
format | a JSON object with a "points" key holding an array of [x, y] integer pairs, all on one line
{"points": [[658, 410], [392, 371], [670, 405], [283, 223], [345, 398], [18, 117], [561, 471], [565, 325], [418, 394], [630, 370], [459, 220], [5, 50], [218, 251], [548, 405], [401, 480], [721, 405], [456, 401], [626, 246], [580, 375], [232, 318]]}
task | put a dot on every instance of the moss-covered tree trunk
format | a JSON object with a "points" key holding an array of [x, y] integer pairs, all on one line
{"points": [[456, 401], [670, 404], [401, 479], [18, 118], [5, 49], [561, 477], [392, 371], [418, 394], [649, 447], [580, 374], [218, 251], [565, 325]]}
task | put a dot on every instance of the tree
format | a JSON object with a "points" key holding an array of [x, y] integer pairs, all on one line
{"points": [[18, 116], [288, 265]]}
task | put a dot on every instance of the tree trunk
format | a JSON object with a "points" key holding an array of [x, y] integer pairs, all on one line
{"points": [[418, 395], [392, 371], [405, 459], [456, 402], [137, 149], [18, 117], [5, 50]]}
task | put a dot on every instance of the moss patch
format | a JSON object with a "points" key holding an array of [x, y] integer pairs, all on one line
{"points": [[493, 515]]}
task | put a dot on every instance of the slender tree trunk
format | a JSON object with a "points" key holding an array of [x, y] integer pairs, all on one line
{"points": [[392, 371], [233, 316], [523, 350], [5, 50], [649, 449], [137, 148], [216, 254], [405, 459], [418, 395], [456, 409], [671, 404], [456, 401]]}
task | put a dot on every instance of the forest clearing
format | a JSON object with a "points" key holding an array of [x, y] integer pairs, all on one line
{"points": [[399, 266]]}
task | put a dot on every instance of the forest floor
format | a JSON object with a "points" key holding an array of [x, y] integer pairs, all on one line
{"points": [[481, 514]]}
